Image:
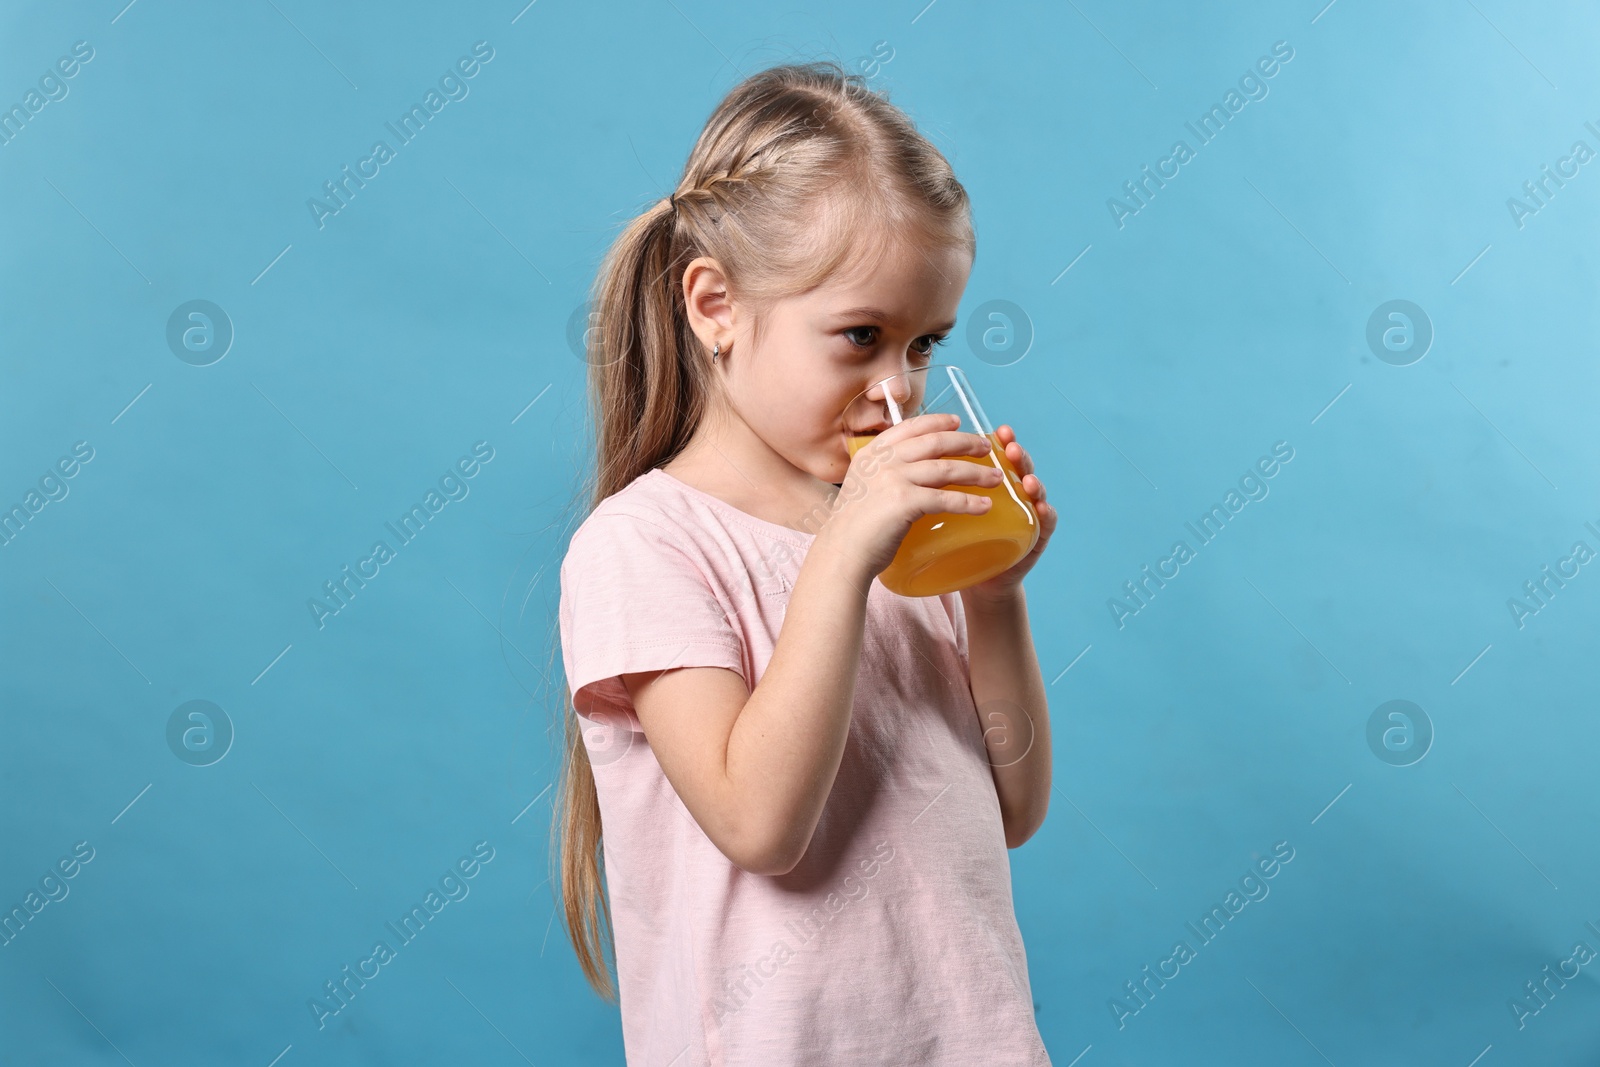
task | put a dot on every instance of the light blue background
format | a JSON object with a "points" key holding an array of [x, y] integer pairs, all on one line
{"points": [[431, 313]]}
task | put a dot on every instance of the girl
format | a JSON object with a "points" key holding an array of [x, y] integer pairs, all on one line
{"points": [[808, 783]]}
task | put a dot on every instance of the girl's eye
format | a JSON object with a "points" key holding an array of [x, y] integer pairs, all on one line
{"points": [[922, 346]]}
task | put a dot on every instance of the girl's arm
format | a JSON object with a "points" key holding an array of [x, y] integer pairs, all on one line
{"points": [[755, 768], [1009, 693]]}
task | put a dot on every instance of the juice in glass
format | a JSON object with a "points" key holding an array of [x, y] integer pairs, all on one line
{"points": [[945, 552]]}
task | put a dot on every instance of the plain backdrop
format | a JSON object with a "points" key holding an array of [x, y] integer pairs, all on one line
{"points": [[1148, 359]]}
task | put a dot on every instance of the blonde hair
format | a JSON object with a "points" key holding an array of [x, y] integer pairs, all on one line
{"points": [[800, 169]]}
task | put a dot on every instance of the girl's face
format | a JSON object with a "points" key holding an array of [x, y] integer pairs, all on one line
{"points": [[820, 350]]}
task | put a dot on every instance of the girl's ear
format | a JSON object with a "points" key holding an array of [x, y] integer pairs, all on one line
{"points": [[705, 297]]}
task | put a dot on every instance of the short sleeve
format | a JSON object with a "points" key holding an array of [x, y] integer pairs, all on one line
{"points": [[633, 600]]}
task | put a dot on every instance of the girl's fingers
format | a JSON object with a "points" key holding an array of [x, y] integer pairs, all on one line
{"points": [[1021, 460], [1036, 490]]}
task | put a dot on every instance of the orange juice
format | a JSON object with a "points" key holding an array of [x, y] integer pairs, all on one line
{"points": [[945, 552]]}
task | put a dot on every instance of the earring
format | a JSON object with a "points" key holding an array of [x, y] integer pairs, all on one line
{"points": [[717, 351]]}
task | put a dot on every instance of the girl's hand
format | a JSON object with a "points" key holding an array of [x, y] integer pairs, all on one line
{"points": [[1008, 583], [898, 478]]}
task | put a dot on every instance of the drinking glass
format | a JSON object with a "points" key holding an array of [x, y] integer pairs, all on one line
{"points": [[946, 552]]}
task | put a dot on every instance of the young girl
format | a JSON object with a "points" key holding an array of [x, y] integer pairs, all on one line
{"points": [[807, 783]]}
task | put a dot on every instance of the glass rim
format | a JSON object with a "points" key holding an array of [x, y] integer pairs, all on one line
{"points": [[907, 372], [961, 384]]}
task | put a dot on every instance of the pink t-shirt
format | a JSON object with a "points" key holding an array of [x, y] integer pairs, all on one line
{"points": [[894, 940]]}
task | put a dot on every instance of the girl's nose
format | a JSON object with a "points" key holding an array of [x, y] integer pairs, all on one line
{"points": [[889, 400], [898, 390]]}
